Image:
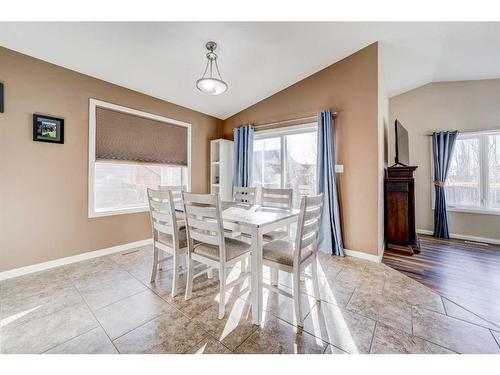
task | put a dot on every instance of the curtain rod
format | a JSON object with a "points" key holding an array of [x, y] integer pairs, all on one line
{"points": [[264, 125], [464, 131]]}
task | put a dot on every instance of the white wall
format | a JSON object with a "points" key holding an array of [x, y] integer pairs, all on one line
{"points": [[463, 105]]}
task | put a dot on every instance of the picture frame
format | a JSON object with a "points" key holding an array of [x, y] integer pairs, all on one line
{"points": [[1, 97], [48, 129]]}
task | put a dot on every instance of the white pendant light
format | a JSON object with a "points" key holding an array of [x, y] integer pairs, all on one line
{"points": [[213, 85]]}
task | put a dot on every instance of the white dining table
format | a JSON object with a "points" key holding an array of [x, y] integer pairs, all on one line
{"points": [[255, 221]]}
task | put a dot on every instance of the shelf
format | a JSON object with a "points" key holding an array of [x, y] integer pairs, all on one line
{"points": [[217, 185], [216, 162]]}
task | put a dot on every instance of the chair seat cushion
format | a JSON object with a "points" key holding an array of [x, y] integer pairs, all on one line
{"points": [[166, 239], [234, 248], [275, 235], [281, 252]]}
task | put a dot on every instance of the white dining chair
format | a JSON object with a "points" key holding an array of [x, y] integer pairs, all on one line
{"points": [[207, 244], [294, 257], [277, 198], [168, 237], [247, 195]]}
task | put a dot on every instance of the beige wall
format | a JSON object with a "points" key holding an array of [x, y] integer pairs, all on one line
{"points": [[350, 86], [383, 134], [43, 189], [464, 105]]}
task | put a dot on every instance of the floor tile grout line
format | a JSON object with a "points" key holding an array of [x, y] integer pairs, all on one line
{"points": [[373, 337], [434, 343], [140, 325], [419, 337], [66, 341], [494, 338], [199, 342], [119, 300], [350, 298], [459, 319], [472, 312], [97, 320], [444, 306]]}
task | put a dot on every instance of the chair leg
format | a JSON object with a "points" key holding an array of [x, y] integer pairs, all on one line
{"points": [[222, 297], [175, 276], [274, 276], [155, 263], [314, 265], [189, 277], [296, 296]]}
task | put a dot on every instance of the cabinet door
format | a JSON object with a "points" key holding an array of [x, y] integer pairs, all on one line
{"points": [[398, 213]]}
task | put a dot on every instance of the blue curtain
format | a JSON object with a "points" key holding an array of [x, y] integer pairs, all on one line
{"points": [[330, 236], [243, 156], [442, 151]]}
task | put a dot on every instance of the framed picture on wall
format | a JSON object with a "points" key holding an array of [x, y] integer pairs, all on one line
{"points": [[48, 129]]}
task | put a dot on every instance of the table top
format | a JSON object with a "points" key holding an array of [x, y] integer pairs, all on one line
{"points": [[250, 215]]}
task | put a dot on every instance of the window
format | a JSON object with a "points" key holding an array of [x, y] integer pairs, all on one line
{"points": [[120, 186], [287, 159], [473, 182], [130, 151]]}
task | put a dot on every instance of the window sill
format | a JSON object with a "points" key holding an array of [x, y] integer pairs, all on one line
{"points": [[119, 211], [473, 211]]}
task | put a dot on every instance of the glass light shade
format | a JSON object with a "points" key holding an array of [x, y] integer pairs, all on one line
{"points": [[212, 86]]}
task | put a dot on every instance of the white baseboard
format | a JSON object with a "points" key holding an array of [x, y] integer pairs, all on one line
{"points": [[359, 254], [464, 237], [72, 259]]}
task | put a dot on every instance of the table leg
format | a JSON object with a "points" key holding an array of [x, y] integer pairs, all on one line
{"points": [[256, 276]]}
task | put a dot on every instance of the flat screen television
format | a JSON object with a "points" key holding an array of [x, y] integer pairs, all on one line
{"points": [[402, 150]]}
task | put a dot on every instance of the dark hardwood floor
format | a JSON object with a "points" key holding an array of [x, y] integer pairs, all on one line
{"points": [[466, 272]]}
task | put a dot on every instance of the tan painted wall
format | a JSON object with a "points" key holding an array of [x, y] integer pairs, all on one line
{"points": [[349, 86], [383, 134], [43, 187], [464, 105]]}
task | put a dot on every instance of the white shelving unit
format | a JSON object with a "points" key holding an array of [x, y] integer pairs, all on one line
{"points": [[221, 168]]}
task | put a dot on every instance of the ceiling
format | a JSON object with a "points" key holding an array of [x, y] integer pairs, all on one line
{"points": [[257, 59]]}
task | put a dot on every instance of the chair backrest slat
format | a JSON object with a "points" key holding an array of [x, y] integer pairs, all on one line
{"points": [[161, 217], [277, 198], [211, 226], [207, 211], [205, 237], [204, 220], [162, 214], [175, 189], [308, 225], [244, 194], [167, 229]]}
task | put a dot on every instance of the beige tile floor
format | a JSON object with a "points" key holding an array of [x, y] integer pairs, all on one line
{"points": [[108, 305]]}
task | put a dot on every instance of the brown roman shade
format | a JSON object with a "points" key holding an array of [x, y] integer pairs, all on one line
{"points": [[124, 136]]}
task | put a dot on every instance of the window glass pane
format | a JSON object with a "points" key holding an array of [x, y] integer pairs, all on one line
{"points": [[463, 183], [122, 186], [267, 162], [494, 171], [301, 151]]}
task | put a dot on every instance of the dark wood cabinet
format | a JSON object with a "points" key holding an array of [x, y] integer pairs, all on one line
{"points": [[400, 230]]}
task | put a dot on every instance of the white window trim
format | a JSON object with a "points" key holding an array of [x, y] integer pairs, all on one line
{"points": [[93, 103], [483, 176]]}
